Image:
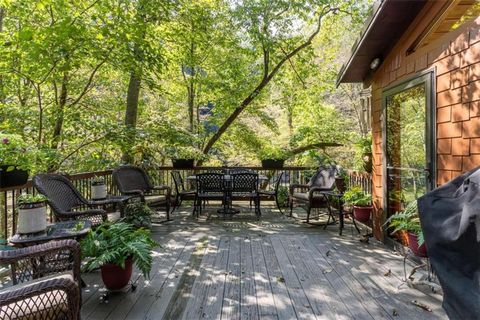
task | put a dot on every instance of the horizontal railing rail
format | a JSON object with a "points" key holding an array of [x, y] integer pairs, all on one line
{"points": [[160, 176]]}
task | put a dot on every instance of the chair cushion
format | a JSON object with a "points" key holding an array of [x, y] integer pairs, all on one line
{"points": [[317, 200], [211, 195], [152, 199], [46, 305], [114, 216]]}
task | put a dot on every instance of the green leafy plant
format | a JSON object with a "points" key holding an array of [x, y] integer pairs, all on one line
{"points": [[16, 153], [28, 198], [114, 243], [179, 152], [98, 181], [407, 220], [343, 174], [355, 196], [283, 196], [364, 144], [138, 214], [270, 152]]}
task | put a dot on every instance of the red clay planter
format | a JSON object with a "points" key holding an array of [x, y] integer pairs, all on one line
{"points": [[419, 251], [362, 214], [116, 278]]}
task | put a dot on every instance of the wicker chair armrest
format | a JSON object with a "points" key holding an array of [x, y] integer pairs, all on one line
{"points": [[135, 194], [69, 215], [296, 186], [22, 258], [14, 299], [163, 188]]}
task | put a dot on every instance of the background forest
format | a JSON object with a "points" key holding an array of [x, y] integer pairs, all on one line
{"points": [[91, 84]]}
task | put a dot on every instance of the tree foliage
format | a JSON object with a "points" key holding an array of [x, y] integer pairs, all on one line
{"points": [[224, 77]]}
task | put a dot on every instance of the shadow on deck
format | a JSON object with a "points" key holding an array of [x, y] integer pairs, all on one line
{"points": [[274, 268]]}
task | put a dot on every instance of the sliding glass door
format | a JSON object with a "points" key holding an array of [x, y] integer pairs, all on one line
{"points": [[409, 142]]}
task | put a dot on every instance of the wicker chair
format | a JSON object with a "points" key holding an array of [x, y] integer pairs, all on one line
{"points": [[46, 282], [134, 181], [67, 203], [311, 195], [180, 192], [210, 186], [273, 194]]}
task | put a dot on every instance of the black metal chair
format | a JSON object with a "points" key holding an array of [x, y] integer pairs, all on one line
{"points": [[311, 195], [66, 201], [210, 186], [180, 192], [273, 194], [240, 170], [134, 181], [244, 186]]}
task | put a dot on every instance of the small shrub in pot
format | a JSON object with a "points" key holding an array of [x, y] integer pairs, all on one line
{"points": [[32, 213], [361, 202]]}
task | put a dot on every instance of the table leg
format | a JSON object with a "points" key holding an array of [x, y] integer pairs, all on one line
{"points": [[341, 218]]}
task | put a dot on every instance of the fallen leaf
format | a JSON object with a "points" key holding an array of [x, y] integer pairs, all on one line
{"points": [[388, 273], [327, 271], [281, 279], [394, 313], [422, 306]]}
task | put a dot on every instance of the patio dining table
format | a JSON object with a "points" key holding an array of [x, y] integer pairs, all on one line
{"points": [[227, 203]]}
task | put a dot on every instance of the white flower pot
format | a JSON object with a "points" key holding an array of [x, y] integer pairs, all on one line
{"points": [[99, 191], [32, 218]]}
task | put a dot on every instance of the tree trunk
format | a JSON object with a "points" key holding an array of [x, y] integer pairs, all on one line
{"points": [[191, 104], [2, 86], [57, 130], [131, 113]]}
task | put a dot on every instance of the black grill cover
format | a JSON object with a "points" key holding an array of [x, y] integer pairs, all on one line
{"points": [[450, 219]]}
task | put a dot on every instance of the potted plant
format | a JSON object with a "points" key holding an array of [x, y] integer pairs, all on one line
{"points": [[98, 188], [407, 220], [16, 158], [273, 157], [364, 147], [361, 202], [184, 157], [138, 214], [32, 213], [114, 248], [341, 180]]}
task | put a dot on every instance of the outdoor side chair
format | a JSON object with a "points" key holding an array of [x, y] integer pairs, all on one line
{"points": [[134, 181], [210, 186], [310, 194], [66, 201], [273, 194], [244, 186], [45, 282], [180, 192]]}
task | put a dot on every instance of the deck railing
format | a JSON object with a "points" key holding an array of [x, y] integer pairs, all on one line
{"points": [[159, 175]]}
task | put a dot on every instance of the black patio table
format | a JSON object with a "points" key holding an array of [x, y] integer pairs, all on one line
{"points": [[227, 204], [338, 196]]}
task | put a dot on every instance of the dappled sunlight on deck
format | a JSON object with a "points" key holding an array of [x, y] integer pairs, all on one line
{"points": [[272, 268]]}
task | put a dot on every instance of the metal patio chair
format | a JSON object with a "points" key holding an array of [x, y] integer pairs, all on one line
{"points": [[210, 186], [180, 192], [244, 186], [273, 193]]}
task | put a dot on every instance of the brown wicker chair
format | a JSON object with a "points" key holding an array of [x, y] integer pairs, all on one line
{"points": [[45, 282], [311, 195], [134, 181], [67, 203]]}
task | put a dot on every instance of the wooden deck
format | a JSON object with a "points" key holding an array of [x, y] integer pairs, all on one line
{"points": [[276, 268]]}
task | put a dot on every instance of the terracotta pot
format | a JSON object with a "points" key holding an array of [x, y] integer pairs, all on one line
{"points": [[419, 251], [272, 164], [183, 163], [362, 214], [116, 278]]}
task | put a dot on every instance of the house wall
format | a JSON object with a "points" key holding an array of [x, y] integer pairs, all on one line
{"points": [[456, 60]]}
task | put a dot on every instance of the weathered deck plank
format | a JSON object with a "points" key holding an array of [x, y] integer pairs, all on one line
{"points": [[275, 268]]}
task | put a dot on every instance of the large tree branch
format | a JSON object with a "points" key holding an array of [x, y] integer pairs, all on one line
{"points": [[265, 80], [80, 146]]}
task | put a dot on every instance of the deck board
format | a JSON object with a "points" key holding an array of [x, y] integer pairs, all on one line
{"points": [[275, 268]]}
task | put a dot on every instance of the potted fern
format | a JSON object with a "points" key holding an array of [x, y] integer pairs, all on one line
{"points": [[114, 248], [138, 214], [341, 180], [32, 213], [408, 221], [361, 202]]}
